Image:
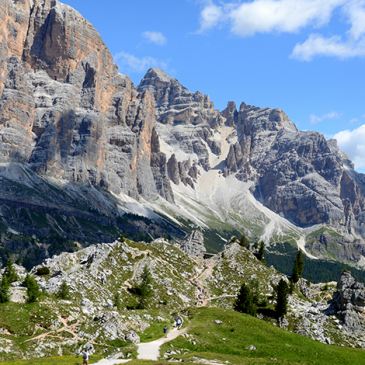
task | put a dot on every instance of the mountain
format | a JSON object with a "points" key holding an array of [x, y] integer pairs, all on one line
{"points": [[86, 156]]}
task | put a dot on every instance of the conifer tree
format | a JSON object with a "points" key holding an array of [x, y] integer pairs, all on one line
{"points": [[261, 254], [4, 290], [64, 291], [117, 301], [282, 298], [243, 241], [32, 289], [145, 288], [298, 267], [245, 301], [10, 272]]}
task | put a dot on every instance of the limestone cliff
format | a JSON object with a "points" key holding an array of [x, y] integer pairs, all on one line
{"points": [[66, 110]]}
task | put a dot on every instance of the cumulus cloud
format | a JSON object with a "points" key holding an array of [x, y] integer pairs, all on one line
{"points": [[129, 63], [314, 119], [155, 37], [264, 16], [316, 45], [353, 144]]}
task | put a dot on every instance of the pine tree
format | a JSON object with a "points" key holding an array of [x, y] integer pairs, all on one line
{"points": [[245, 301], [298, 267], [64, 291], [243, 241], [282, 298], [261, 254], [145, 288], [32, 289], [117, 301], [4, 290], [10, 272]]}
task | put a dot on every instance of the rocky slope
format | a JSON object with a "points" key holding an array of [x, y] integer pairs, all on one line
{"points": [[97, 273], [80, 142]]}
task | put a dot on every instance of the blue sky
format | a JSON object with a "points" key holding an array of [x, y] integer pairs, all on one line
{"points": [[303, 56]]}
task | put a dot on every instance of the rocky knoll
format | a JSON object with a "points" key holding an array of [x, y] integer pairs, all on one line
{"points": [[66, 110]]}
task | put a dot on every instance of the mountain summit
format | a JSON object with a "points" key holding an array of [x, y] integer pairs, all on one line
{"points": [[80, 143]]}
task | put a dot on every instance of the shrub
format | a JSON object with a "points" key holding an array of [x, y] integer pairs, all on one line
{"points": [[243, 241], [117, 301], [43, 271]]}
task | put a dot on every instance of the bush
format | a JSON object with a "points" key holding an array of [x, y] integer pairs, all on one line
{"points": [[43, 271], [243, 241], [117, 301]]}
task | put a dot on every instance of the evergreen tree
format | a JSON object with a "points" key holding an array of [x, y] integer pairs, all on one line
{"points": [[145, 288], [282, 298], [261, 254], [64, 291], [255, 290], [4, 290], [245, 301], [10, 272], [117, 301], [298, 267], [243, 241], [32, 289]]}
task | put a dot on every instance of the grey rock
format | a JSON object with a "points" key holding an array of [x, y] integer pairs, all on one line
{"points": [[193, 244], [132, 337]]}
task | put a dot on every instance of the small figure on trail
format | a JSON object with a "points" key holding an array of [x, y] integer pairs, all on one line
{"points": [[165, 331], [178, 323], [196, 304], [85, 356]]}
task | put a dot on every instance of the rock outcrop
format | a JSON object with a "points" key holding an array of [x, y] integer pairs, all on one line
{"points": [[349, 300], [193, 244]]}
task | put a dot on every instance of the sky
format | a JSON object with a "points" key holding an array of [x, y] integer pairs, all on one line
{"points": [[305, 57]]}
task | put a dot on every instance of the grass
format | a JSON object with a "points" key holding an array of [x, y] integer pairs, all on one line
{"points": [[59, 360], [241, 331]]}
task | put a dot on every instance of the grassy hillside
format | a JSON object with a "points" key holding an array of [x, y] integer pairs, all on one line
{"points": [[229, 342]]}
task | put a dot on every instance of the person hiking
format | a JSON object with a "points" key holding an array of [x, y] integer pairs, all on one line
{"points": [[165, 331], [85, 356], [178, 323]]}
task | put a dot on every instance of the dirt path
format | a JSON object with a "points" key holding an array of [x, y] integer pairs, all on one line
{"points": [[151, 350], [147, 350]]}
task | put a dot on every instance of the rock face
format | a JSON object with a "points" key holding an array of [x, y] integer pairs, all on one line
{"points": [[67, 111], [193, 244], [349, 301]]}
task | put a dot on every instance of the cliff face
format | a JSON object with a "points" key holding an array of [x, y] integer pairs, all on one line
{"points": [[297, 174], [66, 110]]}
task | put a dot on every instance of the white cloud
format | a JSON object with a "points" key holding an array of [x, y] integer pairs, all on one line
{"points": [[353, 144], [155, 37], [263, 16], [210, 16], [129, 63], [316, 45], [246, 18], [314, 119]]}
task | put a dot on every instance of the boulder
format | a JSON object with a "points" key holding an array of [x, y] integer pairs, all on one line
{"points": [[193, 244]]}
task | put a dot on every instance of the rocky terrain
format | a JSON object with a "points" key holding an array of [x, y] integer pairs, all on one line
{"points": [[81, 146], [97, 273]]}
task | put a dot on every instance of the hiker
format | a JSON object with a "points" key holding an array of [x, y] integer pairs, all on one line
{"points": [[178, 323], [165, 331], [85, 356]]}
